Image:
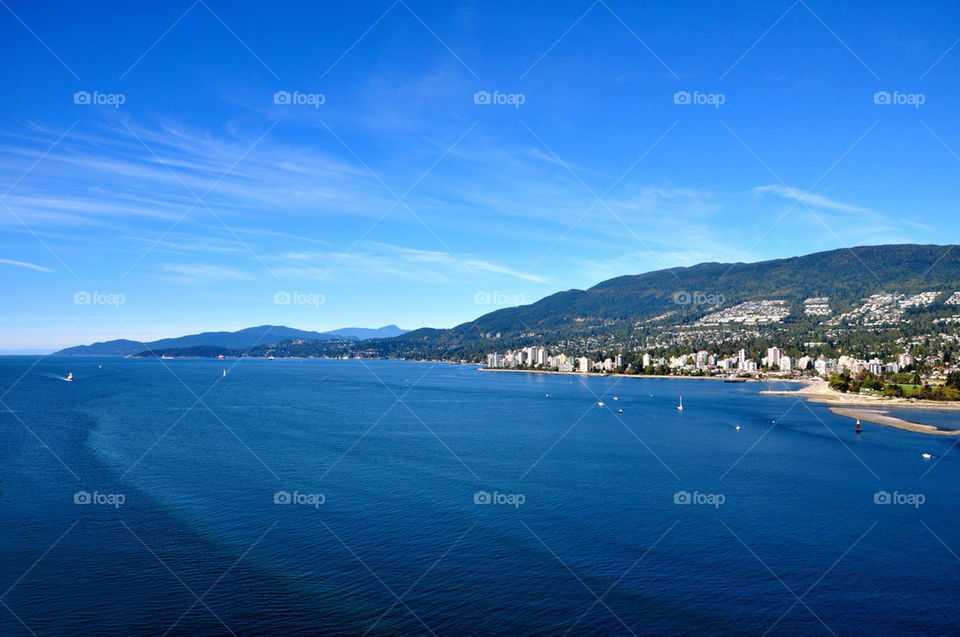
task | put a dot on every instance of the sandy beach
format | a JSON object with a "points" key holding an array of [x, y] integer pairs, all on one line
{"points": [[819, 391], [883, 418]]}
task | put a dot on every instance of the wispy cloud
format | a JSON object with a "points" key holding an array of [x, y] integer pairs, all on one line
{"points": [[375, 259], [130, 172], [23, 264], [802, 196], [190, 273]]}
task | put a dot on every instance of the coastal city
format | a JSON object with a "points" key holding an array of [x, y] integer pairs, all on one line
{"points": [[702, 363], [750, 340], [899, 377]]}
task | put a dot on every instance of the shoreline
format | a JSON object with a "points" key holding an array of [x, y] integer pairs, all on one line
{"points": [[883, 418], [612, 375], [870, 408], [818, 391]]}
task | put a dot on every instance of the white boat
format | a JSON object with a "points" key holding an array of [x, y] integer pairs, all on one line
{"points": [[224, 372], [616, 398], [69, 377], [680, 406], [738, 427], [927, 456], [600, 404], [621, 411]]}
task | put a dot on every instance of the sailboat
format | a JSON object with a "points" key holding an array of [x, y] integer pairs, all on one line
{"points": [[69, 377], [680, 406]]}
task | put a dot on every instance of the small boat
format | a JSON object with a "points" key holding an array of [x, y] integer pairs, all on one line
{"points": [[224, 372], [166, 357], [621, 411], [600, 404], [738, 427], [734, 380], [616, 398], [680, 406], [69, 377], [927, 456], [547, 396]]}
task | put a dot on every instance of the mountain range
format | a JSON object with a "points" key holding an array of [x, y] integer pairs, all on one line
{"points": [[627, 313], [631, 311], [239, 340]]}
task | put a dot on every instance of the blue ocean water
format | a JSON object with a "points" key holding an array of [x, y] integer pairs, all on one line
{"points": [[649, 522]]}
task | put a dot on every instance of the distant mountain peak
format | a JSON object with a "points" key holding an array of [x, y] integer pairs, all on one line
{"points": [[238, 340]]}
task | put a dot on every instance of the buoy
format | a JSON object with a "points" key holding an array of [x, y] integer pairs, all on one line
{"points": [[858, 426]]}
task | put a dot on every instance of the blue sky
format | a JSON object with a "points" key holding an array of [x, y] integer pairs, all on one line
{"points": [[197, 200]]}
